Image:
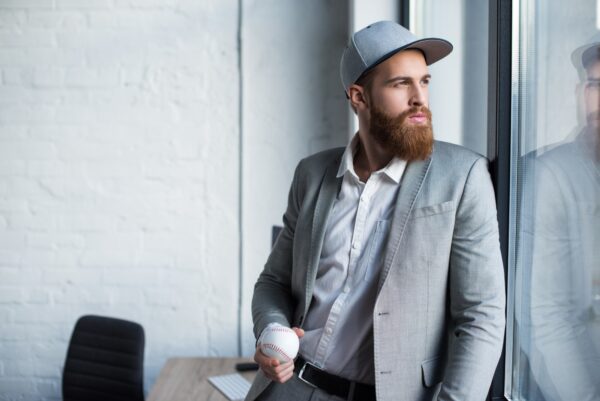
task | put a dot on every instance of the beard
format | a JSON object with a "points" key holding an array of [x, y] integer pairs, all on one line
{"points": [[592, 137], [593, 120], [406, 141]]}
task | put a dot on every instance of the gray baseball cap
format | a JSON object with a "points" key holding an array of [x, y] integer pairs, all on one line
{"points": [[379, 41], [584, 55]]}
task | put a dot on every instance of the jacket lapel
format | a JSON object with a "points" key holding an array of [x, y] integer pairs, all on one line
{"points": [[325, 199], [410, 186]]}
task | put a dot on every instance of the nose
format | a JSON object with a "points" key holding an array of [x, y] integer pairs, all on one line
{"points": [[418, 95]]}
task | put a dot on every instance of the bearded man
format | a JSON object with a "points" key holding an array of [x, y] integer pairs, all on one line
{"points": [[388, 267], [560, 314]]}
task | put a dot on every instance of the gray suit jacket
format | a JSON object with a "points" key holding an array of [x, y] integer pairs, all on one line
{"points": [[560, 250], [438, 321]]}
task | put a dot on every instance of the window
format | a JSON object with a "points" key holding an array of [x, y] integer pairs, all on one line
{"points": [[458, 94], [553, 332]]}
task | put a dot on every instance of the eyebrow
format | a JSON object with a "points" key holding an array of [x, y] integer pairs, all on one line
{"points": [[403, 78]]}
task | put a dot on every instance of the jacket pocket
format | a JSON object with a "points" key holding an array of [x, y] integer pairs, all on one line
{"points": [[433, 371], [432, 209]]}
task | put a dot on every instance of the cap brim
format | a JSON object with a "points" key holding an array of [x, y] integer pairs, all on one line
{"points": [[434, 49], [579, 55]]}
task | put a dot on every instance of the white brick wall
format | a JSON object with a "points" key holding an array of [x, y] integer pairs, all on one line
{"points": [[110, 169], [119, 166], [294, 72]]}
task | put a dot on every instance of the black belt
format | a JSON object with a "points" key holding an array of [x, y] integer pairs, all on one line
{"points": [[333, 384]]}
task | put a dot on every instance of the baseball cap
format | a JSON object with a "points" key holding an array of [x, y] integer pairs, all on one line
{"points": [[583, 55], [381, 40]]}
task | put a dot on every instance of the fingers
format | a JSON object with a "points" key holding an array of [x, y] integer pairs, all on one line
{"points": [[273, 369], [281, 373], [299, 332], [264, 360], [287, 373]]}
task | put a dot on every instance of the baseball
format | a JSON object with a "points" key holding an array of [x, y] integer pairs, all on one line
{"points": [[279, 342]]}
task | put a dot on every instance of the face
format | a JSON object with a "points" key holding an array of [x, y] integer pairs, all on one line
{"points": [[395, 106], [592, 95], [399, 83]]}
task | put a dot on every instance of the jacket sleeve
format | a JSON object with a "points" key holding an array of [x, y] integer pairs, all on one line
{"points": [[476, 291], [272, 301]]}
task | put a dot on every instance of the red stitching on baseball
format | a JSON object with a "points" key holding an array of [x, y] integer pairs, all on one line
{"points": [[276, 349], [282, 329]]}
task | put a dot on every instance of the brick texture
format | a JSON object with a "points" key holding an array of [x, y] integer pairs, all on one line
{"points": [[110, 169], [122, 162]]}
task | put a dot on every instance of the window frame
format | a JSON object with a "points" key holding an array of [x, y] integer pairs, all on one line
{"points": [[502, 114]]}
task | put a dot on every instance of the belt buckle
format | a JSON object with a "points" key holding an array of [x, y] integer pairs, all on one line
{"points": [[302, 372]]}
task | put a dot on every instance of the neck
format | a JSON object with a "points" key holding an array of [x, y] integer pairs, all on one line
{"points": [[369, 157]]}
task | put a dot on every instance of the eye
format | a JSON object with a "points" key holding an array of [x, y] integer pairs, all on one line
{"points": [[425, 81], [400, 83], [595, 85]]}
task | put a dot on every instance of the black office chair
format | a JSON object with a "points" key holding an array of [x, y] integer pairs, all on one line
{"points": [[105, 361]]}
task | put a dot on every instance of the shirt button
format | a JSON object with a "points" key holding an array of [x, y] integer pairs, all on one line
{"points": [[328, 330], [356, 245], [346, 289]]}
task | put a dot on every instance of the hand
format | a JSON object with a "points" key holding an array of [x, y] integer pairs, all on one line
{"points": [[272, 368]]}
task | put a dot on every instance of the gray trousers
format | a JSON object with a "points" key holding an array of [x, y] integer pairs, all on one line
{"points": [[295, 390]]}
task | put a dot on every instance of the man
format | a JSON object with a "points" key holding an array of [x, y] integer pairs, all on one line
{"points": [[388, 266], [561, 251]]}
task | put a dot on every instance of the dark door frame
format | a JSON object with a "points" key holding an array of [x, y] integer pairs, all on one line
{"points": [[499, 139]]}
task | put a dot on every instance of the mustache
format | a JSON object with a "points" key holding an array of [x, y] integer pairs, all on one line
{"points": [[416, 110]]}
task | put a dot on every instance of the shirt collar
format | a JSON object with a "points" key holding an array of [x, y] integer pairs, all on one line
{"points": [[393, 170]]}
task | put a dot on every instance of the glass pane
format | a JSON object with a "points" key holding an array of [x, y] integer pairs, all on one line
{"points": [[553, 336], [458, 94]]}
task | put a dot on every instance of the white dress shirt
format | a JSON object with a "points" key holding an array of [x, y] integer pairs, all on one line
{"points": [[339, 324]]}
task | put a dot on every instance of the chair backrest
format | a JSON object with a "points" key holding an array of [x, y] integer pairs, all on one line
{"points": [[105, 361]]}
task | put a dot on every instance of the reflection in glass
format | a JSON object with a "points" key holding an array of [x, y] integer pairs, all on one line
{"points": [[553, 332], [559, 251]]}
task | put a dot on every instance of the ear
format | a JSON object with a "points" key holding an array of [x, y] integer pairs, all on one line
{"points": [[358, 97]]}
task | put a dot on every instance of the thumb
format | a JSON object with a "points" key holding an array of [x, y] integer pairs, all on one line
{"points": [[299, 332]]}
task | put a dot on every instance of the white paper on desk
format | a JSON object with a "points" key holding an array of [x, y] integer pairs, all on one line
{"points": [[234, 387]]}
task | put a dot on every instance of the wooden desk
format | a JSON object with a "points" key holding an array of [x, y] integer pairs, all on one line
{"points": [[186, 379]]}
